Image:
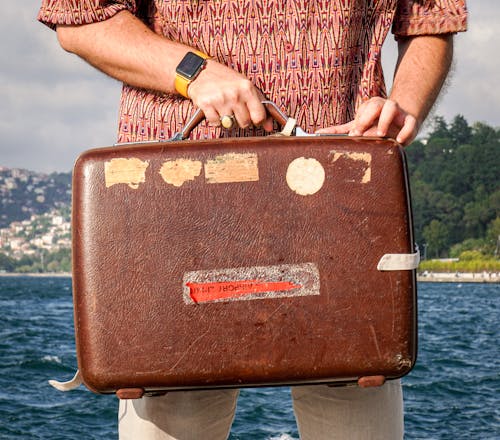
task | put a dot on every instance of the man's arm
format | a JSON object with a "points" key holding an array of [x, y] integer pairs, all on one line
{"points": [[126, 49], [422, 66]]}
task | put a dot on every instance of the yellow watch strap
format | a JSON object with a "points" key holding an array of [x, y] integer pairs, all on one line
{"points": [[181, 82], [181, 85]]}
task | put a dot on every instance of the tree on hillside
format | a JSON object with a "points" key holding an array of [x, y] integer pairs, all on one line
{"points": [[459, 131], [493, 237], [436, 237], [439, 128], [7, 264]]}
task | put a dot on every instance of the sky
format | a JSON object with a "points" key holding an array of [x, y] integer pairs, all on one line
{"points": [[54, 106]]}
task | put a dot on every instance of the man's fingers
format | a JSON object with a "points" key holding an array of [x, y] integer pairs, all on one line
{"points": [[268, 124], [384, 117], [337, 129], [241, 114], [211, 116], [389, 113], [367, 116], [257, 111], [409, 130], [247, 113]]}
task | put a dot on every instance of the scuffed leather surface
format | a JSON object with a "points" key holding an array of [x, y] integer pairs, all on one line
{"points": [[131, 248]]}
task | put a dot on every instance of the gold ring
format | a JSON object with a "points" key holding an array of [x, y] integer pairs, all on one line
{"points": [[227, 121]]}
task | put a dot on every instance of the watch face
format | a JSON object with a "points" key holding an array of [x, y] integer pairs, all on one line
{"points": [[190, 65]]}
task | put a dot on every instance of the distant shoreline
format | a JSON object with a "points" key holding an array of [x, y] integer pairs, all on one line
{"points": [[459, 277], [426, 277], [37, 274]]}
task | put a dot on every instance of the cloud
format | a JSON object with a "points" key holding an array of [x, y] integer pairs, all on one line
{"points": [[45, 128], [54, 105], [472, 89]]}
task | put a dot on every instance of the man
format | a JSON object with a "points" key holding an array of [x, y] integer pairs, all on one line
{"points": [[320, 62]]}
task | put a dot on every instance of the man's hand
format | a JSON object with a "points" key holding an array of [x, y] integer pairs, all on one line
{"points": [[219, 90], [379, 117], [423, 63]]}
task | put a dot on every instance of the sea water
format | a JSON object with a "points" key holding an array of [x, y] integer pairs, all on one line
{"points": [[453, 392]]}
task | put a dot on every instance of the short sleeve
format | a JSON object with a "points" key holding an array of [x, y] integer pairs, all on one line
{"points": [[429, 17], [77, 12]]}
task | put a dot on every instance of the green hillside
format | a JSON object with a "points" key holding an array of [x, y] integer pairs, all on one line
{"points": [[455, 187]]}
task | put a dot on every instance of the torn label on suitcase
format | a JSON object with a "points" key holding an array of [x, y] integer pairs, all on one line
{"points": [[363, 160], [130, 171], [177, 172], [247, 283], [232, 168]]}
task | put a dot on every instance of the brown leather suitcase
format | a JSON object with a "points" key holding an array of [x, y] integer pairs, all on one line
{"points": [[243, 262]]}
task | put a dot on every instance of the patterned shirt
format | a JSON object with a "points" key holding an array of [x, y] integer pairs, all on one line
{"points": [[317, 59]]}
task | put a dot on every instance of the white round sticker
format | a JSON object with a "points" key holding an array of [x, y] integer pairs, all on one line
{"points": [[305, 176]]}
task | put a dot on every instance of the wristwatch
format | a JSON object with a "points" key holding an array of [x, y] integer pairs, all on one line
{"points": [[188, 69]]}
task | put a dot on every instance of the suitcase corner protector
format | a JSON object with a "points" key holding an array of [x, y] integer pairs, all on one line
{"points": [[371, 381], [129, 393]]}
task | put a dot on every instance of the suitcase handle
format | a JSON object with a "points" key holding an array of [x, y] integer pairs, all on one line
{"points": [[271, 108]]}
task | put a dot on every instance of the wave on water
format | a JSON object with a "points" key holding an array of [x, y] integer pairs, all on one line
{"points": [[52, 359]]}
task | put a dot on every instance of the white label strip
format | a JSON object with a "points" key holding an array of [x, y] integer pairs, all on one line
{"points": [[70, 384], [399, 261], [248, 283]]}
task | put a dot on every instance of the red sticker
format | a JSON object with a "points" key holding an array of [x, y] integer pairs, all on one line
{"points": [[204, 292]]}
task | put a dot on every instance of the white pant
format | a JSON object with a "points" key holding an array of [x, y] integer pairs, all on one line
{"points": [[322, 412]]}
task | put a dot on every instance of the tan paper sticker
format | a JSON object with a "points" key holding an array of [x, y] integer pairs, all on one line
{"points": [[232, 167], [365, 158], [305, 176], [176, 172], [131, 172]]}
